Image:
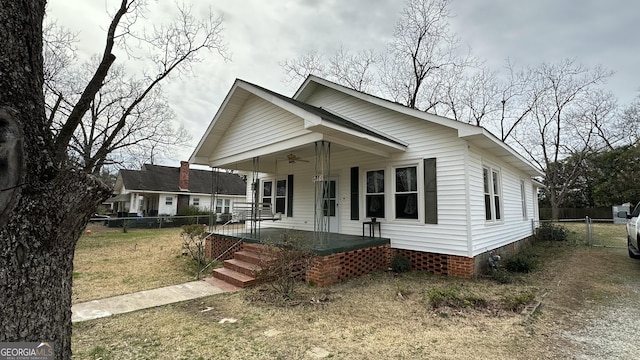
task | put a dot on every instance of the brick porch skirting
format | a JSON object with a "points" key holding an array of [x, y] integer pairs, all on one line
{"points": [[218, 244], [329, 269]]}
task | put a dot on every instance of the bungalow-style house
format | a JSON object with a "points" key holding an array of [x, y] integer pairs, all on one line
{"points": [[163, 190], [342, 164]]}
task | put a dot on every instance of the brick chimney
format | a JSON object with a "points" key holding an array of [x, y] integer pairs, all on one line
{"points": [[184, 176]]}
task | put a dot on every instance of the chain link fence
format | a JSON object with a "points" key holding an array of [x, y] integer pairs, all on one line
{"points": [[586, 231]]}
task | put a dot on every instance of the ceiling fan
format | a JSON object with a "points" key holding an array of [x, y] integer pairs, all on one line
{"points": [[292, 158]]}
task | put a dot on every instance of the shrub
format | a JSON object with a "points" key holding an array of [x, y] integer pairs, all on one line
{"points": [[452, 297], [193, 243], [400, 264], [192, 210], [517, 302], [550, 231], [502, 276], [290, 258], [524, 262]]}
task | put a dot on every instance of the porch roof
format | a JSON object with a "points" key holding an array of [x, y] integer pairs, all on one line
{"points": [[320, 124]]}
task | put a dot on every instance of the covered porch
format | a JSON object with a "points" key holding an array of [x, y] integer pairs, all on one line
{"points": [[299, 159], [339, 258], [333, 243]]}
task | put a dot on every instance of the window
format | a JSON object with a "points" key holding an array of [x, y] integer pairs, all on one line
{"points": [[168, 200], [218, 206], [227, 205], [375, 194], [196, 201], [267, 192], [406, 194], [281, 196], [492, 187], [329, 198], [523, 197]]}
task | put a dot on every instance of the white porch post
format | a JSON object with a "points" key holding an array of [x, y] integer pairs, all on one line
{"points": [[321, 181]]}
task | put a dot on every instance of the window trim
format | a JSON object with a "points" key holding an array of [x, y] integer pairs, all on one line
{"points": [[274, 193], [366, 193], [168, 200], [419, 180], [523, 196], [495, 190]]}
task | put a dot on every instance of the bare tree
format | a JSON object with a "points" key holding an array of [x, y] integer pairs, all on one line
{"points": [[423, 56], [304, 65], [629, 120], [422, 66], [129, 114], [45, 201], [354, 70], [148, 125], [556, 127]]}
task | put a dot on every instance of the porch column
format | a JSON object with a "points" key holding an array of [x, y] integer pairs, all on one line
{"points": [[255, 194], [321, 186]]}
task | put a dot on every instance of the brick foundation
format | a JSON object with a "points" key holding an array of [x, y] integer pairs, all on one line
{"points": [[459, 266], [329, 269]]}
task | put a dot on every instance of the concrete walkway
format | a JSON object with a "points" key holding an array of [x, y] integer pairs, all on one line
{"points": [[147, 299]]}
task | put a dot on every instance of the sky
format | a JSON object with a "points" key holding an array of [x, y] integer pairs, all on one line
{"points": [[261, 34]]}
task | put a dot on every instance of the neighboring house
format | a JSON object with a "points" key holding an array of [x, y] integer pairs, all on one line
{"points": [[163, 190], [444, 192]]}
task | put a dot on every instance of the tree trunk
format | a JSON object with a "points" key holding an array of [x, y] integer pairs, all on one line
{"points": [[46, 209]]}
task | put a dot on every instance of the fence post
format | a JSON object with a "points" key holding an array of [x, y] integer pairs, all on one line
{"points": [[587, 221]]}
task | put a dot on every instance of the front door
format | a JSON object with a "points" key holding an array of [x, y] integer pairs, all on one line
{"points": [[331, 206], [183, 202]]}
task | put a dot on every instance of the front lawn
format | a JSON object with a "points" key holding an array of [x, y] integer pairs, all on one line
{"points": [[109, 262]]}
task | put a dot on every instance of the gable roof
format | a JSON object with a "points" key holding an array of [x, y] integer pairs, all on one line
{"points": [[330, 116], [166, 179], [317, 120], [324, 123], [478, 135]]}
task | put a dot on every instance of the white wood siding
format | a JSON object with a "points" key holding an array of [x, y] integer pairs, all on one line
{"points": [[257, 124], [461, 229], [163, 208], [426, 140], [487, 235]]}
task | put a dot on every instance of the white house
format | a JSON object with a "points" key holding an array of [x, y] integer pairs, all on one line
{"points": [[331, 158], [163, 190]]}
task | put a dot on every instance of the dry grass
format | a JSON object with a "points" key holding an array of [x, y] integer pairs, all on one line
{"points": [[366, 318], [109, 262], [361, 319], [603, 234]]}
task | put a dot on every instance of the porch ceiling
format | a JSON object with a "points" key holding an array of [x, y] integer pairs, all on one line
{"points": [[269, 160]]}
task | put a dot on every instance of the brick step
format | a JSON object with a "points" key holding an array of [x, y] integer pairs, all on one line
{"points": [[242, 267], [252, 257], [257, 248], [233, 277]]}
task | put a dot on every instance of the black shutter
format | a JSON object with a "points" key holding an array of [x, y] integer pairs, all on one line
{"points": [[289, 195], [355, 194], [430, 192]]}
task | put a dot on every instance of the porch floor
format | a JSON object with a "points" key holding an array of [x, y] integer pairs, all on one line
{"points": [[335, 243]]}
